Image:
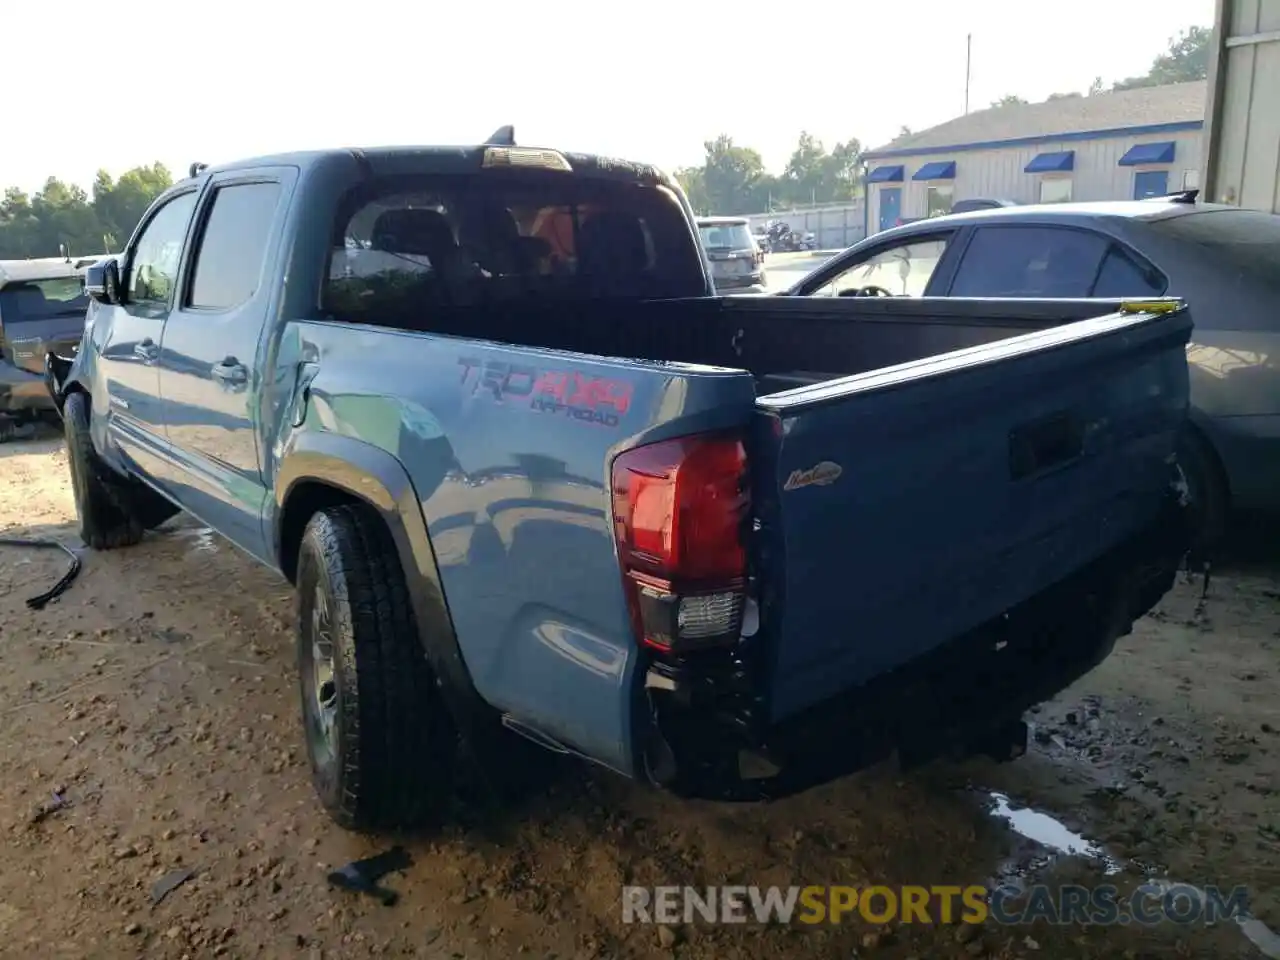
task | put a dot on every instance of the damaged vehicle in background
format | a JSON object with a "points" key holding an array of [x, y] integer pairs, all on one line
{"points": [[737, 263], [731, 546], [42, 310]]}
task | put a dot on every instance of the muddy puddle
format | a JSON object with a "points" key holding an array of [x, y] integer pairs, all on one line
{"points": [[1046, 841]]}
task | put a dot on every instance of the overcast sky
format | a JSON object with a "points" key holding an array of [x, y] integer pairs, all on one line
{"points": [[91, 85]]}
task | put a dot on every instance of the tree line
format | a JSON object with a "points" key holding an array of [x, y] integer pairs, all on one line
{"points": [[733, 180], [64, 217]]}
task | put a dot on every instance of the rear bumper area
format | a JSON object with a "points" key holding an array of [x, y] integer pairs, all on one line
{"points": [[964, 697]]}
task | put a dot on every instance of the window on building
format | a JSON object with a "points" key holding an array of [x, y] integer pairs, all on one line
{"points": [[1055, 190], [1190, 179], [938, 198], [1014, 261], [903, 269], [233, 246]]}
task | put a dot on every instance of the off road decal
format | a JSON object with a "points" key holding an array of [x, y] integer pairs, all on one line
{"points": [[567, 393], [819, 475]]}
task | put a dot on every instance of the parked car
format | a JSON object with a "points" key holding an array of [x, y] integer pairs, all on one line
{"points": [[1224, 261], [737, 264], [42, 308], [679, 489], [980, 203]]}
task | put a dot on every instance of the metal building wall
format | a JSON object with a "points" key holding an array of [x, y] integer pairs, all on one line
{"points": [[998, 173], [1242, 121]]}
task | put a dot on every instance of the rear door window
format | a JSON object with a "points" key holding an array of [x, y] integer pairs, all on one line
{"points": [[404, 243], [1124, 275], [1032, 261], [233, 245]]}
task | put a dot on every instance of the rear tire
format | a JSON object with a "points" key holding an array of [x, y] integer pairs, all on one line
{"points": [[1206, 490], [105, 522], [383, 748]]}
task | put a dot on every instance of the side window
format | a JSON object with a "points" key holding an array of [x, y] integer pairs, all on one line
{"points": [[1029, 262], [903, 270], [233, 245], [1122, 276], [153, 264]]}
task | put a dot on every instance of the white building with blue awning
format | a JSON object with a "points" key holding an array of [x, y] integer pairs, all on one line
{"points": [[1109, 146]]}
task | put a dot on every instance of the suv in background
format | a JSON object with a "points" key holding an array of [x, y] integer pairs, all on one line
{"points": [[737, 263], [42, 309]]}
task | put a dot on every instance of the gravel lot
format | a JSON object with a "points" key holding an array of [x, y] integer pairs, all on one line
{"points": [[149, 725]]}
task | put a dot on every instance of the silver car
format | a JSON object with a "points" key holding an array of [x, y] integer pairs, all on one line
{"points": [[1224, 261], [737, 263]]}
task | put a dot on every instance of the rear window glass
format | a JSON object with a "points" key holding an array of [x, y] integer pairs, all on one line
{"points": [[725, 236], [405, 243], [1246, 240], [28, 300]]}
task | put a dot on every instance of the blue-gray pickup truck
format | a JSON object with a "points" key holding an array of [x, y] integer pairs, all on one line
{"points": [[534, 481]]}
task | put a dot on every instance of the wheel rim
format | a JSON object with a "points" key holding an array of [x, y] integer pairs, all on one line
{"points": [[320, 676]]}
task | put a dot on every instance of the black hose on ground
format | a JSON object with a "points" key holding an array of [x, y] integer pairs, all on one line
{"points": [[39, 602]]}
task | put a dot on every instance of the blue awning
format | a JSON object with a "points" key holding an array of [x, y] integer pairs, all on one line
{"points": [[1052, 163], [1149, 153], [886, 175], [938, 170]]}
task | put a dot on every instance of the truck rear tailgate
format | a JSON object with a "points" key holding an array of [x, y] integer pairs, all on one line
{"points": [[902, 507]]}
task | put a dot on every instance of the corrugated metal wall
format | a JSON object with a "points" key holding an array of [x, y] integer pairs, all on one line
{"points": [[999, 173], [1242, 164]]}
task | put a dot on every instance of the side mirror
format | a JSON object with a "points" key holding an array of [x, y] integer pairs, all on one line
{"points": [[102, 282]]}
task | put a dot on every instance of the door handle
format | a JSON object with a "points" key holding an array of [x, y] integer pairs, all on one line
{"points": [[146, 350], [230, 370]]}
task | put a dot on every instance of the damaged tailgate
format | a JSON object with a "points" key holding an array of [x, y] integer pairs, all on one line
{"points": [[902, 507]]}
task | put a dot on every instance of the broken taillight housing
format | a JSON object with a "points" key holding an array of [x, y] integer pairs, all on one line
{"points": [[680, 509]]}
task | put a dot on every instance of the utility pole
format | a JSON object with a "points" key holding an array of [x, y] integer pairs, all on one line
{"points": [[968, 63]]}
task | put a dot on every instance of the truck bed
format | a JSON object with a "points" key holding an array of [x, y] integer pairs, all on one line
{"points": [[983, 450], [783, 342]]}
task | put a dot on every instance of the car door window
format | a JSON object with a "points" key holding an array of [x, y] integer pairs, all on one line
{"points": [[1123, 276], [233, 245], [153, 264], [904, 270], [1046, 261]]}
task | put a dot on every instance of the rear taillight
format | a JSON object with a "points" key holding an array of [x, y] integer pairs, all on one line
{"points": [[679, 514]]}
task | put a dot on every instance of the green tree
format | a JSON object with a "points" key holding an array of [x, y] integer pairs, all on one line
{"points": [[1186, 59], [732, 179], [1008, 100], [62, 216]]}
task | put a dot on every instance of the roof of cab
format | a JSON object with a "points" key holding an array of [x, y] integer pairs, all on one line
{"points": [[447, 159], [45, 268]]}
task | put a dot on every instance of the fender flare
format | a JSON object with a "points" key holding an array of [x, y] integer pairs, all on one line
{"points": [[375, 477]]}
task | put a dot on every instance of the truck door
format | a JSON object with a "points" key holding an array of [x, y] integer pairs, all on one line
{"points": [[208, 360], [130, 332]]}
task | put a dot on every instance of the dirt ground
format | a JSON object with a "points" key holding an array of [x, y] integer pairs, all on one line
{"points": [[148, 724]]}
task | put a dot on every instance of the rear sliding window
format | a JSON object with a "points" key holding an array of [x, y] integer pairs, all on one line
{"points": [[1247, 241], [408, 243], [26, 300]]}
